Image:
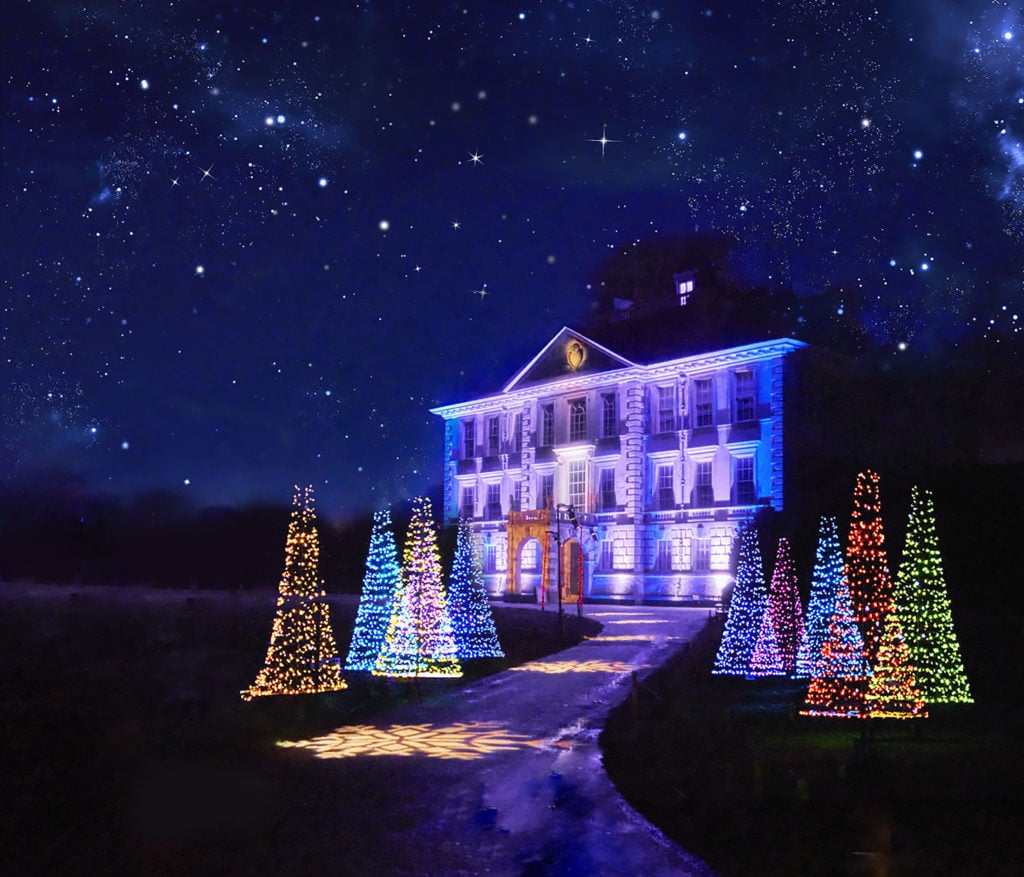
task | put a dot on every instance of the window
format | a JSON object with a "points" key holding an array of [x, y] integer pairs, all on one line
{"points": [[685, 288], [493, 511], [529, 558], [702, 484], [663, 555], [703, 402], [577, 420], [606, 559], [745, 395], [666, 409], [490, 557], [468, 506], [517, 496], [493, 436], [609, 416], [547, 424], [577, 484], [745, 493], [665, 497], [607, 489], [468, 440], [701, 554], [546, 494], [517, 434]]}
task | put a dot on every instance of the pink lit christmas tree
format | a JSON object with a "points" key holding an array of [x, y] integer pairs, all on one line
{"points": [[419, 640], [784, 606], [766, 659], [746, 610], [828, 572]]}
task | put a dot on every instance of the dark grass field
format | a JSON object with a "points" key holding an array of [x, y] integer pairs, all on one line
{"points": [[127, 749], [728, 769]]}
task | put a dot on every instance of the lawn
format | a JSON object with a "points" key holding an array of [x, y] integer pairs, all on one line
{"points": [[127, 748], [728, 768]]}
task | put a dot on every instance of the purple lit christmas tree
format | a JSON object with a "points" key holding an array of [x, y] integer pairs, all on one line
{"points": [[380, 584], [784, 606], [766, 659], [746, 610], [468, 606], [419, 639], [828, 572]]}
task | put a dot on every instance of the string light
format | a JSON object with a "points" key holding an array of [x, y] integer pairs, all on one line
{"points": [[867, 571], [468, 606], [828, 571], [892, 692], [302, 657], [784, 609], [746, 610], [380, 584]]}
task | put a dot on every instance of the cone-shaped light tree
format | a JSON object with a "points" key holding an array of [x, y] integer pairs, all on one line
{"points": [[842, 670], [746, 610], [784, 606], [302, 657], [380, 584], [468, 606], [892, 692], [766, 659], [828, 571], [925, 612], [419, 639], [867, 570]]}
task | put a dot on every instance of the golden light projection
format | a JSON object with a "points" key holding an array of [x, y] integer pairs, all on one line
{"points": [[575, 354], [624, 638], [593, 666], [463, 741]]}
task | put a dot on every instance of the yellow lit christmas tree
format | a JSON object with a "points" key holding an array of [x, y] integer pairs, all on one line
{"points": [[302, 657], [892, 692]]}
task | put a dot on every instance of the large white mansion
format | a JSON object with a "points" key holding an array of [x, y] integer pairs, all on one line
{"points": [[618, 480]]}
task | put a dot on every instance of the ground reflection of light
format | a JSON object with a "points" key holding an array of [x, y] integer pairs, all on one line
{"points": [[578, 667], [622, 638], [463, 741]]}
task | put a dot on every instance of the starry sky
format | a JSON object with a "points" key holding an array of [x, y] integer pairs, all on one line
{"points": [[247, 246]]}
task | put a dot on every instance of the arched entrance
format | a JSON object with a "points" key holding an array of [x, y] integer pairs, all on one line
{"points": [[528, 532]]}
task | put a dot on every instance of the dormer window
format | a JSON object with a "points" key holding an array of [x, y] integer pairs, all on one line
{"points": [[685, 283]]}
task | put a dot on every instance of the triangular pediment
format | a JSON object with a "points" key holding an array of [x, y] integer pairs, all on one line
{"points": [[567, 354]]}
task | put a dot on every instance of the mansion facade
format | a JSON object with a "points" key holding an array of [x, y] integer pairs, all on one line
{"points": [[591, 476]]}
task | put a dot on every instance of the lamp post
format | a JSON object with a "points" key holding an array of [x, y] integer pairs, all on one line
{"points": [[563, 513]]}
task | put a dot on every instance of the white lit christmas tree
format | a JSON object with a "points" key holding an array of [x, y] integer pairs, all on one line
{"points": [[746, 610], [380, 585], [419, 639], [302, 657], [468, 606]]}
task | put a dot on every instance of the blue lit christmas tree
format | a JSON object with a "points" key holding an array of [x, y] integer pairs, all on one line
{"points": [[925, 611], [419, 639], [828, 571], [746, 610], [380, 584], [468, 606]]}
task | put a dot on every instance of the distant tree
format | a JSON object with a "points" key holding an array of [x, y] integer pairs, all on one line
{"points": [[380, 585], [825, 579], [419, 639], [302, 657], [925, 610], [468, 606], [867, 569], [746, 610]]}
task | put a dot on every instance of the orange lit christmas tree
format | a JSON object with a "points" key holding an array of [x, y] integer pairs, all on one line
{"points": [[925, 611], [419, 639], [867, 570], [302, 657], [892, 692]]}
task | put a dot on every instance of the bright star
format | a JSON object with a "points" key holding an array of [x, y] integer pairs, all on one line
{"points": [[206, 173], [476, 158], [481, 292], [604, 141], [456, 224]]}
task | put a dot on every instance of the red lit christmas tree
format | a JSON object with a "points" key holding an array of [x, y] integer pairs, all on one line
{"points": [[867, 570], [468, 606], [746, 610], [892, 692], [828, 571], [302, 657], [380, 584], [925, 611], [419, 639], [784, 606]]}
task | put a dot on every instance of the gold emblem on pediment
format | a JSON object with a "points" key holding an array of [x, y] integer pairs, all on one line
{"points": [[575, 354]]}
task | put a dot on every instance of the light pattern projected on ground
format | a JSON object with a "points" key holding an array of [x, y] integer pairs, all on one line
{"points": [[463, 741], [621, 638], [579, 667]]}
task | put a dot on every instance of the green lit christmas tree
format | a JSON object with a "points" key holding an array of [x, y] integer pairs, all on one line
{"points": [[380, 584], [302, 657], [925, 611], [468, 606], [419, 640]]}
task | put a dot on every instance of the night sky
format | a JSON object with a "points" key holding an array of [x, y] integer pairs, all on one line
{"points": [[250, 246]]}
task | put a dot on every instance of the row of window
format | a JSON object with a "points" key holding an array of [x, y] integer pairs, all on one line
{"points": [[700, 558], [663, 496], [744, 408]]}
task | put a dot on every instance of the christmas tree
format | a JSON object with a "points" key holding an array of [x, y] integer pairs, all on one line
{"points": [[766, 659], [419, 639], [468, 606], [925, 611], [746, 610], [784, 607], [867, 571], [302, 657], [842, 669], [380, 584], [828, 571], [892, 692]]}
